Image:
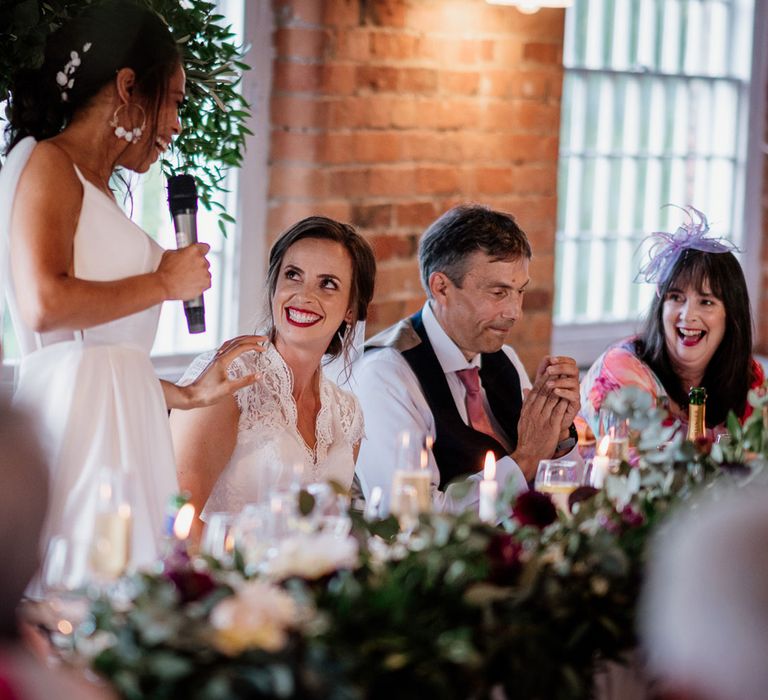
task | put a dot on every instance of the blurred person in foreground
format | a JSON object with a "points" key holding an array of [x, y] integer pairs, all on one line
{"points": [[447, 377], [698, 332], [23, 501], [704, 610]]}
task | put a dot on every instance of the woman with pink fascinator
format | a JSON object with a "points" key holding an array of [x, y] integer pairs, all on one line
{"points": [[698, 331]]}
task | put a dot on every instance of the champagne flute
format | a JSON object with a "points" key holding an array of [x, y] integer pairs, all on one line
{"points": [[559, 478]]}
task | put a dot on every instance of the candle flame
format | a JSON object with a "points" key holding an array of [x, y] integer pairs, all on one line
{"points": [[489, 470], [183, 523], [602, 448]]}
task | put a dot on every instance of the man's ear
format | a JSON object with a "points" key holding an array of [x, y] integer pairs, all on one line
{"points": [[439, 286], [125, 80]]}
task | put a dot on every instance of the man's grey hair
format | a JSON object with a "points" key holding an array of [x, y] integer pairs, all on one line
{"points": [[450, 240], [704, 611]]}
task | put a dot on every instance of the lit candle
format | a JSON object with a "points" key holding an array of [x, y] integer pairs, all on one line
{"points": [[489, 490], [183, 523], [601, 463]]}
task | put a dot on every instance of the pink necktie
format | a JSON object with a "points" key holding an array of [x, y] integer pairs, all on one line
{"points": [[478, 418]]}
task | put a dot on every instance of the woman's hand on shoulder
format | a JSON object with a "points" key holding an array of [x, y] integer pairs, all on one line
{"points": [[214, 382]]}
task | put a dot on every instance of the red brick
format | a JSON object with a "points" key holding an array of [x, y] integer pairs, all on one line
{"points": [[420, 80], [297, 77], [391, 46], [494, 180], [282, 215], [336, 147], [371, 215], [430, 145], [298, 112], [376, 147], [297, 181], [342, 13], [293, 146], [530, 115], [463, 83], [536, 179], [297, 42], [339, 79], [392, 181], [382, 314], [437, 180], [353, 44], [349, 182], [378, 78], [397, 279], [416, 214], [390, 246], [543, 53], [387, 13]]}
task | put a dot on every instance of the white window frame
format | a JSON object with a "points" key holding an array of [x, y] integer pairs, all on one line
{"points": [[585, 341]]}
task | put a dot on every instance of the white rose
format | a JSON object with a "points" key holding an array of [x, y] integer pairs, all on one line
{"points": [[311, 556], [257, 616]]}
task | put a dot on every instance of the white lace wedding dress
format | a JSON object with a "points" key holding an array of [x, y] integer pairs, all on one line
{"points": [[270, 451], [94, 393]]}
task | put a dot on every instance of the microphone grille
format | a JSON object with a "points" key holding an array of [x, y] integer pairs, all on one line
{"points": [[182, 193]]}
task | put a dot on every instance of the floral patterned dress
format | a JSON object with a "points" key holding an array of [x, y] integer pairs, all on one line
{"points": [[619, 367]]}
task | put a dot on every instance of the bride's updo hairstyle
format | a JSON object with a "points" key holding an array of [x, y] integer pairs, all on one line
{"points": [[363, 271], [94, 46]]}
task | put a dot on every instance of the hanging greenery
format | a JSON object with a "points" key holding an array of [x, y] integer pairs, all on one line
{"points": [[214, 114]]}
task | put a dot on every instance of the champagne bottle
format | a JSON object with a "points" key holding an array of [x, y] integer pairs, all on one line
{"points": [[697, 398]]}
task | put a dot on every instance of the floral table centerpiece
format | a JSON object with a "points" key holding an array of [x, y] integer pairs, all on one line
{"points": [[458, 609]]}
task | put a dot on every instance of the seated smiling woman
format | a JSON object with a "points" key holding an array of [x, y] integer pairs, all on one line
{"points": [[293, 421], [698, 332]]}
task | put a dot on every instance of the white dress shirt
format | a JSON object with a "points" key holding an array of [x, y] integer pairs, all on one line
{"points": [[393, 402]]}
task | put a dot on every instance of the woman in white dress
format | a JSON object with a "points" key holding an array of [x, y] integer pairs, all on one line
{"points": [[84, 283], [293, 422]]}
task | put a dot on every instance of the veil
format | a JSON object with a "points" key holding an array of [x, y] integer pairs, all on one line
{"points": [[9, 180]]}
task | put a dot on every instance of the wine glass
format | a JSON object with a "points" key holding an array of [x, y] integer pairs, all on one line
{"points": [[217, 540], [559, 478], [617, 429], [64, 584]]}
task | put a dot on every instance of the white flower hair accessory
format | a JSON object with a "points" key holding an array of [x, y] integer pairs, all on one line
{"points": [[64, 78]]}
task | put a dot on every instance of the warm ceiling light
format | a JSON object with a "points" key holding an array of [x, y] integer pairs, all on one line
{"points": [[530, 6]]}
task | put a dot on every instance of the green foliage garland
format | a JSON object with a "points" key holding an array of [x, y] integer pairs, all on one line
{"points": [[214, 114], [458, 609]]}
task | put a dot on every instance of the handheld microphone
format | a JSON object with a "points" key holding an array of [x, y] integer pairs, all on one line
{"points": [[182, 201]]}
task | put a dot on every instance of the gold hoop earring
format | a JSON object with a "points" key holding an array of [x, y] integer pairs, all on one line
{"points": [[129, 135]]}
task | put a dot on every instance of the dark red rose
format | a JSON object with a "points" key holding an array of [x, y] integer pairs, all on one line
{"points": [[632, 517], [582, 493], [703, 444], [534, 508], [504, 556], [192, 585]]}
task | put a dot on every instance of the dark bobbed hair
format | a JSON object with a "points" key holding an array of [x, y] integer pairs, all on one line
{"points": [[122, 34], [363, 271], [463, 230], [729, 373]]}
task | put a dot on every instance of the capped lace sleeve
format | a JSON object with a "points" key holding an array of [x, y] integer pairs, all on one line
{"points": [[351, 417], [196, 368]]}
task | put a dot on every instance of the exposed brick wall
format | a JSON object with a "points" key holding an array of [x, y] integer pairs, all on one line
{"points": [[385, 113]]}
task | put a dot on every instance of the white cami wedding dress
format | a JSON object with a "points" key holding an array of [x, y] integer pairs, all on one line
{"points": [[94, 392]]}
